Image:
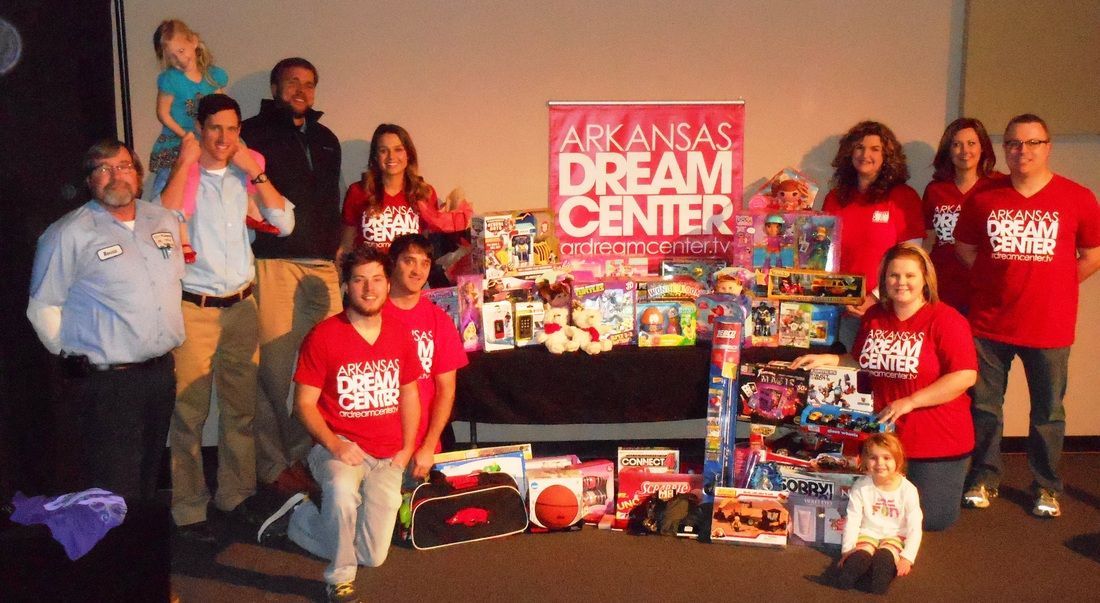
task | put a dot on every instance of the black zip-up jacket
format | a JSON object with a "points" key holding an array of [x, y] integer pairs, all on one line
{"points": [[314, 192]]}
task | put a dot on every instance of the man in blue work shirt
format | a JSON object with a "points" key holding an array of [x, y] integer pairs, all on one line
{"points": [[105, 293], [219, 313]]}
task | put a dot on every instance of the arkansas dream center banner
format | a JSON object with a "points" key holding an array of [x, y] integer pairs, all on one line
{"points": [[654, 180]]}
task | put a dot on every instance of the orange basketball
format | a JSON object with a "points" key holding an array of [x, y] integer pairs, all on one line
{"points": [[556, 507]]}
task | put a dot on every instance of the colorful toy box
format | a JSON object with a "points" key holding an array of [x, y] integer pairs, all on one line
{"points": [[722, 401], [794, 324], [597, 489], [666, 323], [754, 517], [772, 393], [763, 324], [774, 241], [447, 300], [712, 307], [512, 243], [841, 386], [615, 301], [555, 497], [528, 322], [655, 460], [511, 462], [824, 323], [636, 486], [700, 270], [498, 326], [818, 242], [815, 286], [470, 330]]}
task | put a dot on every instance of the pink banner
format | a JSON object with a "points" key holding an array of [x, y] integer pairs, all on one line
{"points": [[646, 180]]}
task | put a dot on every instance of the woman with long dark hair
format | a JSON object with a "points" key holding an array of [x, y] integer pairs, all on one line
{"points": [[877, 209], [963, 166]]}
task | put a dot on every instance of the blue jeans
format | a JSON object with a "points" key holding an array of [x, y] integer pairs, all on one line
{"points": [[940, 484], [1047, 371], [354, 525]]}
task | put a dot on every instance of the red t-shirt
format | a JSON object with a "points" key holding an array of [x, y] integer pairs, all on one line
{"points": [[869, 229], [906, 356], [379, 230], [360, 382], [942, 203], [1027, 260], [438, 346]]}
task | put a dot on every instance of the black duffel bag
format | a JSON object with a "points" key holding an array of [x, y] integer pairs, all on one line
{"points": [[467, 508]]}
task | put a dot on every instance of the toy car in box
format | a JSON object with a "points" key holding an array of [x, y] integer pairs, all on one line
{"points": [[755, 517], [816, 286]]}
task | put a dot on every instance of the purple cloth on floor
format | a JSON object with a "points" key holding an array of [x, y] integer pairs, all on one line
{"points": [[78, 520]]}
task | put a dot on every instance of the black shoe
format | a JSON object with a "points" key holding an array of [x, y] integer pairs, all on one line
{"points": [[246, 513], [198, 533], [275, 527]]}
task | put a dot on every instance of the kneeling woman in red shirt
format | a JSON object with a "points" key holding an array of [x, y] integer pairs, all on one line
{"points": [[920, 355]]}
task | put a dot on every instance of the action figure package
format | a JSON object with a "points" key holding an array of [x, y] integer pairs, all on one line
{"points": [[514, 243], [636, 486], [788, 190], [818, 242], [794, 324], [700, 270], [725, 358], [772, 393], [615, 301], [447, 300], [815, 286], [754, 517], [470, 291], [763, 324]]}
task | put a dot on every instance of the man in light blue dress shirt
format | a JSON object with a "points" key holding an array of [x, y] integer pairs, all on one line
{"points": [[105, 292], [219, 313]]}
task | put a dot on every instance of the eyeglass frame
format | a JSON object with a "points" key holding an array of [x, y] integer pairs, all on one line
{"points": [[123, 168], [1016, 145]]}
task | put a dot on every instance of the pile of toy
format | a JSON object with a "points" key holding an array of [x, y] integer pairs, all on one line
{"points": [[778, 279]]}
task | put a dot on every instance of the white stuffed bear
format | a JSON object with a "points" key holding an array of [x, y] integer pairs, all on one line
{"points": [[589, 332], [556, 333]]}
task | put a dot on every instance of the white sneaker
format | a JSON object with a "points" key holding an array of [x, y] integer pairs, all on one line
{"points": [[1046, 504], [272, 527], [978, 497]]}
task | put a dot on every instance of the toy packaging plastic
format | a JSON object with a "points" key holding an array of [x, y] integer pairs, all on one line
{"points": [[615, 301], [772, 393], [788, 190], [519, 242], [446, 511], [714, 306], [528, 322], [816, 286], [818, 242], [774, 241], [470, 291], [824, 322], [722, 400], [794, 324], [700, 270], [764, 323], [666, 323], [755, 517], [447, 300], [841, 386], [636, 486], [496, 323]]}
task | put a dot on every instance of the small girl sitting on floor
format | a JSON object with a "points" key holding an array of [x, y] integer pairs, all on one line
{"points": [[883, 529]]}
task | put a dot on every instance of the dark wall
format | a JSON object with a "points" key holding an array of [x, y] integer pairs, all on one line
{"points": [[54, 103]]}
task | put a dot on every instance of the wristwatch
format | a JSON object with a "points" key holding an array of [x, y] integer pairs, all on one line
{"points": [[260, 179]]}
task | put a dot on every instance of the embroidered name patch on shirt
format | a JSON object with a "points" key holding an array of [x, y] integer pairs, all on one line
{"points": [[881, 216], [109, 252]]}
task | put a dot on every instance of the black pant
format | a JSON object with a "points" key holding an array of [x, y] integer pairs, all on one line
{"points": [[113, 428]]}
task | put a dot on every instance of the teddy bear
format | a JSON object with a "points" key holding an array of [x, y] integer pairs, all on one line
{"points": [[556, 335], [589, 332]]}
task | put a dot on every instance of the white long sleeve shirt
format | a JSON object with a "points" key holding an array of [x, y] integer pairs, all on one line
{"points": [[881, 514]]}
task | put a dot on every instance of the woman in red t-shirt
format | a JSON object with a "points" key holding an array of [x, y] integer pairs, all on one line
{"points": [[393, 199], [920, 355], [876, 208], [963, 166]]}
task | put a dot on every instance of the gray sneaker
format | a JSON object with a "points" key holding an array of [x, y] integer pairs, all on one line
{"points": [[978, 496], [1046, 504]]}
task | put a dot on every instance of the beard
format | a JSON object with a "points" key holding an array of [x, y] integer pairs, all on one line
{"points": [[118, 195], [365, 308]]}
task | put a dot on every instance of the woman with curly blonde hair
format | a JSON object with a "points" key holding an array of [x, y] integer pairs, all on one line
{"points": [[877, 209]]}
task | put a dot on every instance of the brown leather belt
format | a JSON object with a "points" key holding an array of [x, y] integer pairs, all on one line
{"points": [[210, 301]]}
